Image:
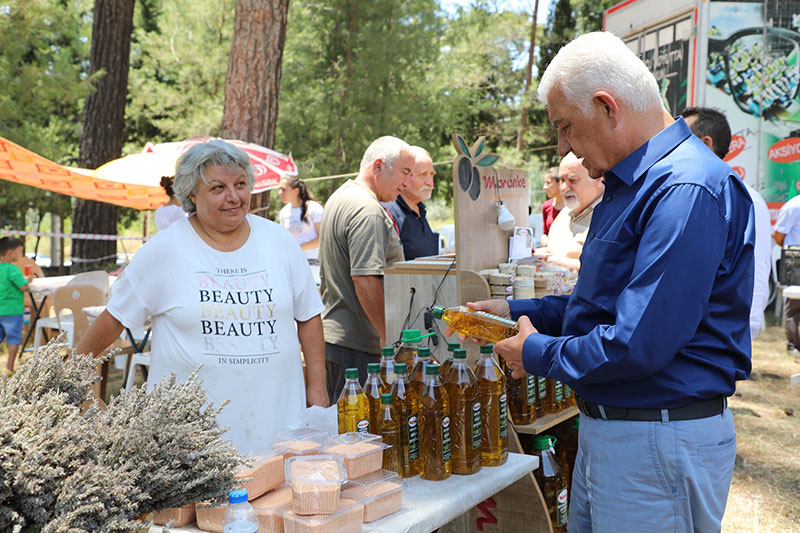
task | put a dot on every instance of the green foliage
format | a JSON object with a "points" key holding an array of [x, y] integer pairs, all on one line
{"points": [[589, 14]]}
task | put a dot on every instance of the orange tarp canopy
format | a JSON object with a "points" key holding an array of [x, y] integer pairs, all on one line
{"points": [[20, 165]]}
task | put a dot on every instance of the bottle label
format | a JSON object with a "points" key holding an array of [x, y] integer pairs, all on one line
{"points": [[559, 391], [567, 391], [530, 383], [498, 320], [445, 438], [413, 438], [476, 425], [561, 518], [503, 417], [542, 387], [362, 426]]}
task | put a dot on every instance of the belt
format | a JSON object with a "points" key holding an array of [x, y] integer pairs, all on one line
{"points": [[693, 411]]}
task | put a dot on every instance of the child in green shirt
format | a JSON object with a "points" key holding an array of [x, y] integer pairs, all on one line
{"points": [[12, 302]]}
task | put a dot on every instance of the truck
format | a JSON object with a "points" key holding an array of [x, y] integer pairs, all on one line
{"points": [[740, 58]]}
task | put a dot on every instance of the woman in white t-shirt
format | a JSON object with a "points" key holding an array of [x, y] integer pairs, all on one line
{"points": [[171, 211], [302, 214], [229, 291]]}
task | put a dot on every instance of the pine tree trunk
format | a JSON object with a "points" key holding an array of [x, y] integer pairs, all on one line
{"points": [[254, 76], [103, 121]]}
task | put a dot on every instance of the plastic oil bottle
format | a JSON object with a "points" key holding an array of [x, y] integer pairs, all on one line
{"points": [[418, 376], [352, 406], [551, 481], [406, 403], [387, 367], [464, 393], [410, 340], [389, 429], [555, 396], [373, 388], [541, 396], [522, 394], [434, 427], [444, 371], [477, 324], [494, 408]]}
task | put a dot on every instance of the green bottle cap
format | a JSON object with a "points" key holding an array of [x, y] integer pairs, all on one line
{"points": [[459, 353], [543, 442], [488, 348], [387, 351], [387, 399], [400, 368], [453, 346], [437, 311], [411, 335], [373, 368], [352, 373], [432, 370], [424, 353]]}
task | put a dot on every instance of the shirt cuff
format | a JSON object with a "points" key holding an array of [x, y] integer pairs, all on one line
{"points": [[533, 354], [521, 307]]}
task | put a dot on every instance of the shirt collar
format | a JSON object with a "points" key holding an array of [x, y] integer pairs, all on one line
{"points": [[640, 160]]}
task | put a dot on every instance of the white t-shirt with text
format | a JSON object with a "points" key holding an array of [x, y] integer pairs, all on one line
{"points": [[303, 230], [232, 312]]}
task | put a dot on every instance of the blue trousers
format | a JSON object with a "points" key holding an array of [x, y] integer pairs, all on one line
{"points": [[652, 476]]}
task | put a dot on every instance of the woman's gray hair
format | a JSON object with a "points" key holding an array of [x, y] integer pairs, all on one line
{"points": [[600, 61], [386, 148], [190, 168]]}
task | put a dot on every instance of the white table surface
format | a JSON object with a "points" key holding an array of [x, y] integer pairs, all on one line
{"points": [[428, 505], [792, 292], [49, 285]]}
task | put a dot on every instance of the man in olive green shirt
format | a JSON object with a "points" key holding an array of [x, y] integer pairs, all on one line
{"points": [[358, 240]]}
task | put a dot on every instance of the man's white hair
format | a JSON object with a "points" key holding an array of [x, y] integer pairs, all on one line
{"points": [[420, 153], [386, 148], [600, 61]]}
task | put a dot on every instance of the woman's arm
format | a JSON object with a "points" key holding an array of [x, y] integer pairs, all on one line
{"points": [[312, 342], [101, 333], [313, 243]]}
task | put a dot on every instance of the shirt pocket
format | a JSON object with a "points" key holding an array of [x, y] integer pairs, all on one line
{"points": [[603, 273]]}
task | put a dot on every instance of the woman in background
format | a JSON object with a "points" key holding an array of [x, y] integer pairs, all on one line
{"points": [[170, 211], [302, 214]]}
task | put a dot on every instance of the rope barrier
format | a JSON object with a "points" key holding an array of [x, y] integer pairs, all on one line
{"points": [[84, 236]]}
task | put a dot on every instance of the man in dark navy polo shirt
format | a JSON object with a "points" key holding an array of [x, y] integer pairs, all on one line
{"points": [[408, 211], [656, 332]]}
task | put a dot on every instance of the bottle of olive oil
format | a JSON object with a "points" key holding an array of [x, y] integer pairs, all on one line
{"points": [[373, 388], [555, 396], [352, 406], [387, 367], [418, 376], [389, 429], [410, 340], [551, 481], [444, 371], [477, 324], [521, 396], [406, 404], [434, 427], [464, 393], [494, 408]]}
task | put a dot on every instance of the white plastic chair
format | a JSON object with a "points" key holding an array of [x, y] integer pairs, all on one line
{"points": [[95, 278], [777, 287], [142, 359]]}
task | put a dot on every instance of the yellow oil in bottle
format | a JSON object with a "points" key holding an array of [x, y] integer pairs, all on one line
{"points": [[352, 406], [373, 388], [463, 391], [406, 404], [551, 481], [434, 427], [541, 396], [521, 396], [389, 429], [555, 396], [444, 371], [410, 340], [494, 408], [418, 376], [387, 368], [477, 324]]}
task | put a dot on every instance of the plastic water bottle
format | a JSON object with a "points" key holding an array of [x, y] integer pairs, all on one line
{"points": [[239, 516]]}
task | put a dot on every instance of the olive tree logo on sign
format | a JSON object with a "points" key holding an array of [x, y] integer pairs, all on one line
{"points": [[467, 162]]}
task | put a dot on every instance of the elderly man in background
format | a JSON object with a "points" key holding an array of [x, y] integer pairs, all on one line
{"points": [[713, 129], [568, 231], [655, 334], [408, 210], [358, 240]]}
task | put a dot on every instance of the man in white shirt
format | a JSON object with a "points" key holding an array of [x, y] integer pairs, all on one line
{"points": [[787, 233], [713, 129]]}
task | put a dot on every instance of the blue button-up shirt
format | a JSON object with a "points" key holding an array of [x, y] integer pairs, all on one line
{"points": [[659, 316], [418, 238]]}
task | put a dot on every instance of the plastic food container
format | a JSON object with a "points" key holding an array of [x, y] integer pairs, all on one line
{"points": [[362, 453], [265, 474], [180, 515], [347, 518], [381, 493], [304, 441], [316, 481], [269, 508]]}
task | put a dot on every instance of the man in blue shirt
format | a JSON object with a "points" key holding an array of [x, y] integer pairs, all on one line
{"points": [[655, 333], [408, 210]]}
